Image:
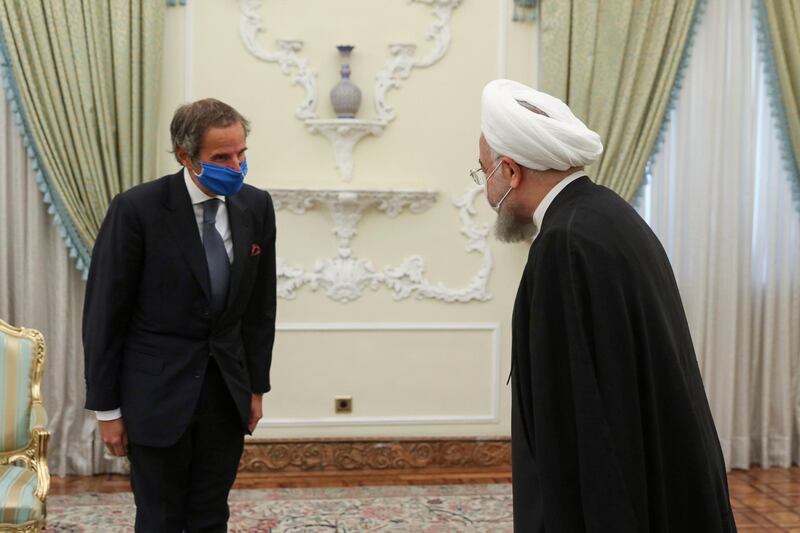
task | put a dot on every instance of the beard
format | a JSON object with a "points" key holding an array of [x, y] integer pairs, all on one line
{"points": [[508, 228]]}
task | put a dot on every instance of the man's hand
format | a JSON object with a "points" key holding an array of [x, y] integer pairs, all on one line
{"points": [[114, 436], [256, 411]]}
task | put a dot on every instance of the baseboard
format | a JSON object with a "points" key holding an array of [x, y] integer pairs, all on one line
{"points": [[368, 455]]}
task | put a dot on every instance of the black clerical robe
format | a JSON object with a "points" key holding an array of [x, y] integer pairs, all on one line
{"points": [[611, 427]]}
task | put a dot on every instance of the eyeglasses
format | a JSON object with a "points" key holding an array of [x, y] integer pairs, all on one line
{"points": [[479, 175]]}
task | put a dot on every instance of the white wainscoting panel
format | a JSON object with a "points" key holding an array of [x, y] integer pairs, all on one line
{"points": [[397, 373]]}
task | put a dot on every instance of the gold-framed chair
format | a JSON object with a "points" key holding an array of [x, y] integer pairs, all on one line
{"points": [[24, 476]]}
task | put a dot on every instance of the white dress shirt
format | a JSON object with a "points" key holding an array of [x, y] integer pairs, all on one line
{"points": [[541, 210], [223, 226]]}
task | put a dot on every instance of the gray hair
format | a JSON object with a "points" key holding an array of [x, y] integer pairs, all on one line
{"points": [[191, 121]]}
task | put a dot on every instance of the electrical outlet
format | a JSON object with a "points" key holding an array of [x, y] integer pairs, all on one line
{"points": [[343, 404]]}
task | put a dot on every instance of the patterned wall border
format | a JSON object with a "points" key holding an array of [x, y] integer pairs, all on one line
{"points": [[375, 455]]}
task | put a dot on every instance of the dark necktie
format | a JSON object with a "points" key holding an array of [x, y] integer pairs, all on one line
{"points": [[219, 267]]}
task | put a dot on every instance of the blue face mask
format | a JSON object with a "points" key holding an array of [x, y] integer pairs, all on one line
{"points": [[222, 180]]}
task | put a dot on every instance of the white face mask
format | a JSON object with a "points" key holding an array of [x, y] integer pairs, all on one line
{"points": [[497, 207]]}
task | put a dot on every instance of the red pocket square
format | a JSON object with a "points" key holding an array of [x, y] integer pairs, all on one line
{"points": [[255, 250]]}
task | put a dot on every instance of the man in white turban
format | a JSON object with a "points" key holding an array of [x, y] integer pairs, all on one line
{"points": [[611, 428]]}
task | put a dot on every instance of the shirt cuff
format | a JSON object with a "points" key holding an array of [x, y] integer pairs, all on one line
{"points": [[106, 416]]}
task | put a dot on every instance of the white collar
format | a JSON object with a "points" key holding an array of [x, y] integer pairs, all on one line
{"points": [[195, 194], [541, 210]]}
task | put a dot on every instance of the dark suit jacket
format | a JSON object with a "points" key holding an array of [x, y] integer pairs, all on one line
{"points": [[148, 331], [611, 427]]}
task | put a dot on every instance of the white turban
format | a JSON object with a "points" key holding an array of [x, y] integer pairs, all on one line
{"points": [[556, 141]]}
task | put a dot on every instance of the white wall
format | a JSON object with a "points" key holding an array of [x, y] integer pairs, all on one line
{"points": [[413, 367]]}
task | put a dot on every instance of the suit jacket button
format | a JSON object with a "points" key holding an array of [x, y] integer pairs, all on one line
{"points": [[206, 314], [197, 376]]}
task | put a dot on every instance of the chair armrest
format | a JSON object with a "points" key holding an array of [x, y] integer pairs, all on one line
{"points": [[38, 417], [39, 437]]}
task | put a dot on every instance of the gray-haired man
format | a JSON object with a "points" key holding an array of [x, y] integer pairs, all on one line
{"points": [[179, 323]]}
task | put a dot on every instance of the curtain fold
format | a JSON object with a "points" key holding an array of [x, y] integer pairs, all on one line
{"points": [[615, 63], [84, 78], [42, 290], [720, 201], [782, 51]]}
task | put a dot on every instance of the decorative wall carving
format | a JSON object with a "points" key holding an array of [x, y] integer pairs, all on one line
{"points": [[343, 134], [403, 60], [374, 455], [345, 276]]}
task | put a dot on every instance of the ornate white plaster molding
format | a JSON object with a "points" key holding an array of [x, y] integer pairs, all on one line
{"points": [[345, 277], [344, 134], [286, 56], [403, 60]]}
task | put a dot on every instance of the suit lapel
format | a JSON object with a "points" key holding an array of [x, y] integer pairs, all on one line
{"points": [[182, 225], [238, 218]]}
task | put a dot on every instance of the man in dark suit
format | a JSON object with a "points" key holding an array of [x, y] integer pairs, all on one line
{"points": [[179, 323], [611, 429]]}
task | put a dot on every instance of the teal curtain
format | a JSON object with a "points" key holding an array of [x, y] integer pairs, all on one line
{"points": [[83, 77]]}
